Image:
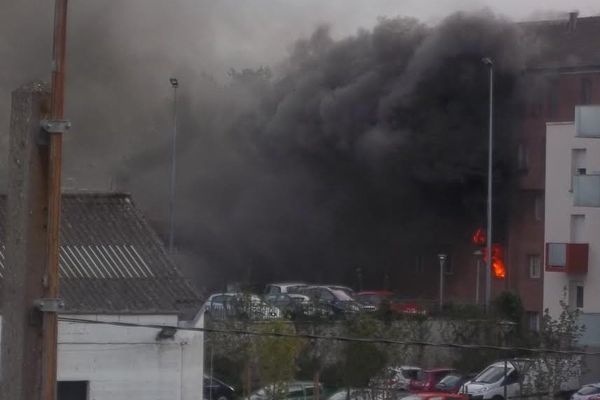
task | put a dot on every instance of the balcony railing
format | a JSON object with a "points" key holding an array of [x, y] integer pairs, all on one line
{"points": [[571, 258], [587, 121], [586, 190]]}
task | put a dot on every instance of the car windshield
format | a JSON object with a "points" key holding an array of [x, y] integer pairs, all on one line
{"points": [[410, 373], [449, 380], [341, 295], [491, 374], [587, 390]]}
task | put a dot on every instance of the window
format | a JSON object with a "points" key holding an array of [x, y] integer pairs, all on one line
{"points": [[72, 390], [522, 157], [538, 207], [579, 296], [577, 227], [577, 163], [535, 266], [533, 320], [586, 91], [557, 255]]}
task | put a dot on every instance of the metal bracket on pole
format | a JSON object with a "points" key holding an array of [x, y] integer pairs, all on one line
{"points": [[52, 127], [49, 305]]}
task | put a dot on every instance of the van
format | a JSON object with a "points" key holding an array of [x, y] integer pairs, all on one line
{"points": [[516, 377]]}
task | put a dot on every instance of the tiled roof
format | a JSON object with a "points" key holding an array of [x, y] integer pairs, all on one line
{"points": [[111, 261], [559, 46]]}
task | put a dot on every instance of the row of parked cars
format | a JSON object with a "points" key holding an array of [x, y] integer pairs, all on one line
{"points": [[500, 380], [296, 300]]}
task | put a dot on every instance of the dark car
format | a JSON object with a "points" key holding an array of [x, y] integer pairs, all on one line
{"points": [[427, 379], [339, 301], [451, 383], [215, 389]]}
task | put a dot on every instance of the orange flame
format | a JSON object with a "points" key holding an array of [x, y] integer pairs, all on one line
{"points": [[498, 267], [479, 237]]}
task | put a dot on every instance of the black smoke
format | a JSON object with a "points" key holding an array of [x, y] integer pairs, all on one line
{"points": [[353, 153]]}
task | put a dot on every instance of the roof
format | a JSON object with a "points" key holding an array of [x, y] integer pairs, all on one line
{"points": [[562, 45], [112, 261]]}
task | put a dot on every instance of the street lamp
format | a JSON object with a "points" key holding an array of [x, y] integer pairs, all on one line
{"points": [[442, 258], [488, 271], [477, 254], [174, 84]]}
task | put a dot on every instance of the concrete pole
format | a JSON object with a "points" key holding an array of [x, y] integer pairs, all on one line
{"points": [[23, 357]]}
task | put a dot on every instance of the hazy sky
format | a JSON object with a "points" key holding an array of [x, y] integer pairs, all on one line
{"points": [[262, 29]]}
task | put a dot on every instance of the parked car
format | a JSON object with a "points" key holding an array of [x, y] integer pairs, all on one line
{"points": [[451, 383], [396, 378], [491, 382], [436, 396], [427, 379], [341, 303], [587, 392], [377, 299], [215, 389], [297, 390], [517, 374], [283, 287], [353, 394], [222, 305]]}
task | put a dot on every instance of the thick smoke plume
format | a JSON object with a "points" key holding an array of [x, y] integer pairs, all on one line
{"points": [[354, 153], [359, 152]]}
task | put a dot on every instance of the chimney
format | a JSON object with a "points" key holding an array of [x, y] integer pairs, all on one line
{"points": [[573, 20]]}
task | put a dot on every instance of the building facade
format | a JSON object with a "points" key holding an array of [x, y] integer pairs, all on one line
{"points": [[572, 231]]}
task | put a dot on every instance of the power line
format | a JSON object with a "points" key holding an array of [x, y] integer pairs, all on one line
{"points": [[336, 338]]}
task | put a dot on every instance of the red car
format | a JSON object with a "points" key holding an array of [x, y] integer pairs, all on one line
{"points": [[428, 379], [436, 396], [377, 297]]}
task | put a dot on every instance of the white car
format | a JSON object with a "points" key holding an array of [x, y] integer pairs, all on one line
{"points": [[222, 305], [282, 287], [512, 376], [587, 391]]}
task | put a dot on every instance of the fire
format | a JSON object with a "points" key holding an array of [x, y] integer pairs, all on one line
{"points": [[479, 237], [498, 267]]}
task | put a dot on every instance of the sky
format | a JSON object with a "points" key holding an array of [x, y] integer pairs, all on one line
{"points": [[264, 29]]}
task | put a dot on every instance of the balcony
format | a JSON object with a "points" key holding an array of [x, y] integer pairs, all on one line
{"points": [[586, 190], [587, 121], [571, 258]]}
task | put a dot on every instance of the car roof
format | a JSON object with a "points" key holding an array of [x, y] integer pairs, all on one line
{"points": [[439, 369], [375, 292], [287, 284]]}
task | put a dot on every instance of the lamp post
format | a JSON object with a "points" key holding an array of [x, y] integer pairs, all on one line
{"points": [[174, 84], [488, 271], [442, 257], [477, 254]]}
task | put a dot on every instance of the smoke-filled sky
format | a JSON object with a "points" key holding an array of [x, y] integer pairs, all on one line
{"points": [[362, 133]]}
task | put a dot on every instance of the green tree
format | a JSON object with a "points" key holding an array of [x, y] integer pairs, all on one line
{"points": [[276, 357]]}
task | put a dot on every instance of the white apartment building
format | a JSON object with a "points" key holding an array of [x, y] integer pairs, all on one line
{"points": [[572, 223]]}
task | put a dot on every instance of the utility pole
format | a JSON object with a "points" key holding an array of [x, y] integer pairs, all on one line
{"points": [[174, 84], [50, 323], [31, 304]]}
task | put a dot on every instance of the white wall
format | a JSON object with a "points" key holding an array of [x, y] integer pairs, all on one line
{"points": [[128, 363], [560, 140]]}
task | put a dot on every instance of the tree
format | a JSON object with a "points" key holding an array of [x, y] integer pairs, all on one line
{"points": [[555, 372], [276, 357]]}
